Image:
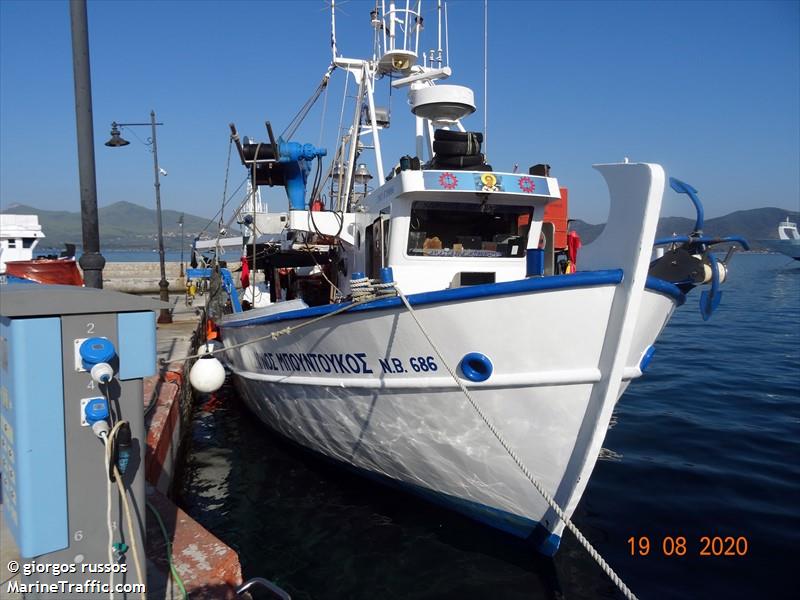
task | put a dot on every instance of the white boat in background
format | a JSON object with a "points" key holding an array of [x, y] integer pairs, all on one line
{"points": [[788, 241], [19, 235], [422, 332]]}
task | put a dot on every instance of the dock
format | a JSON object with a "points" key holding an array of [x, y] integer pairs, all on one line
{"points": [[143, 277], [209, 568]]}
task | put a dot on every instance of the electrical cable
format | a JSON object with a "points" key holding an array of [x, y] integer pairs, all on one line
{"points": [[112, 468], [104, 390], [317, 179], [106, 461], [339, 217], [152, 404], [168, 545], [109, 468], [131, 531]]}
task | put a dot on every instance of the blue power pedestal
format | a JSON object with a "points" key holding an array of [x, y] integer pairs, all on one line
{"points": [[54, 410]]}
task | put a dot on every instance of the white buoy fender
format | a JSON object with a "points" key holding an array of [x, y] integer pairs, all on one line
{"points": [[207, 374]]}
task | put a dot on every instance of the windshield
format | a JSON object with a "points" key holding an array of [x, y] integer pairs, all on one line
{"points": [[468, 229]]}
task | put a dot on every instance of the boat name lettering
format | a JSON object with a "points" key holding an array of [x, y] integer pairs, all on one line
{"points": [[417, 363], [351, 362], [341, 363]]}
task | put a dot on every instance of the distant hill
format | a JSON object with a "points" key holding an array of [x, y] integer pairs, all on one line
{"points": [[131, 226], [122, 225], [753, 225]]}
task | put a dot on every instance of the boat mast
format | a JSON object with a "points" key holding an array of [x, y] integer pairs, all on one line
{"points": [[376, 142], [355, 130]]}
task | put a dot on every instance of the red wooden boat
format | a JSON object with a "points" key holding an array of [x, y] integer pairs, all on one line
{"points": [[58, 271]]}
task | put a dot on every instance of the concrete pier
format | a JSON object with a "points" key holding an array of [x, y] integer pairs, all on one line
{"points": [[143, 277]]}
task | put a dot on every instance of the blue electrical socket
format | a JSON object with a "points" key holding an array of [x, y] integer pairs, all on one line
{"points": [[94, 410]]}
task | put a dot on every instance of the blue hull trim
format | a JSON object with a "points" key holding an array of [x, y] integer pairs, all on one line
{"points": [[537, 534], [521, 286], [654, 284], [532, 284]]}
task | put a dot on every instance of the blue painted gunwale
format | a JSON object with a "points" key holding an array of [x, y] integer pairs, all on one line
{"points": [[533, 284], [654, 284]]}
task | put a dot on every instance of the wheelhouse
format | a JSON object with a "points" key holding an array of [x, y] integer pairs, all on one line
{"points": [[437, 233]]}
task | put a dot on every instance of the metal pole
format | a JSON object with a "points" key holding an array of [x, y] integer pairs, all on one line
{"points": [[486, 77], [355, 132], [182, 239], [91, 261], [164, 316]]}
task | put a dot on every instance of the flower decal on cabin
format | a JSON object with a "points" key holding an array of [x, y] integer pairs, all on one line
{"points": [[527, 185], [448, 181]]}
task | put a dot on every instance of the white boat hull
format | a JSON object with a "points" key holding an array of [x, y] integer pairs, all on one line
{"points": [[360, 388]]}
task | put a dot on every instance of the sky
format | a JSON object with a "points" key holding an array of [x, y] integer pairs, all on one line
{"points": [[710, 90]]}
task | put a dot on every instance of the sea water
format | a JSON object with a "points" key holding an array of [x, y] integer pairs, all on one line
{"points": [[125, 255], [704, 447]]}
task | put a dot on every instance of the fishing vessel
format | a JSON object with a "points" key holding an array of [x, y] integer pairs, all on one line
{"points": [[788, 241], [19, 236], [431, 332]]}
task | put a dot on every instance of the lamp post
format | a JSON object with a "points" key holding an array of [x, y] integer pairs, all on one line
{"points": [[180, 222], [117, 141], [91, 261]]}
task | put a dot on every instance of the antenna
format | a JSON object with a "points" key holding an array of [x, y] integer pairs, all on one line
{"points": [[446, 37], [333, 29], [439, 19], [485, 76]]}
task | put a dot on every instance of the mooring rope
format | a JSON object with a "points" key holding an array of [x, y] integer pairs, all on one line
{"points": [[274, 335], [510, 451]]}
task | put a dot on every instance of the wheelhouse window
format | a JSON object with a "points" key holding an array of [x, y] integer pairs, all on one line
{"points": [[468, 229]]}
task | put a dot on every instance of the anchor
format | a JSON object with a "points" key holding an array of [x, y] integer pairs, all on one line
{"points": [[689, 262]]}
